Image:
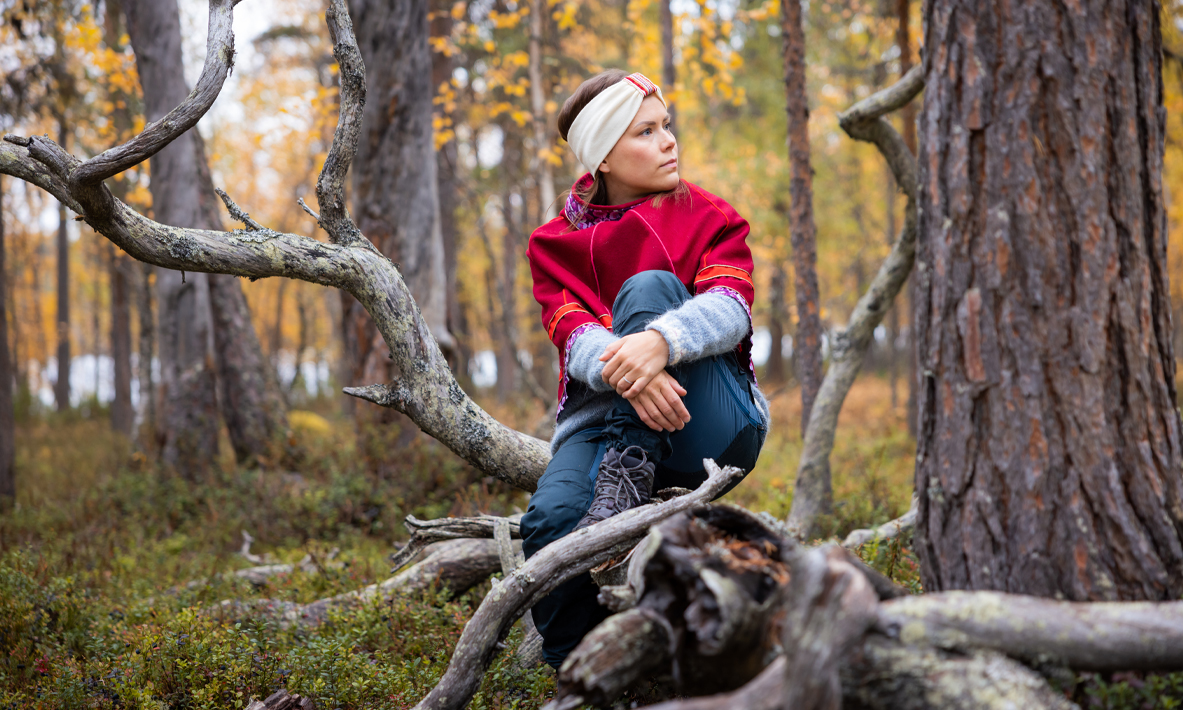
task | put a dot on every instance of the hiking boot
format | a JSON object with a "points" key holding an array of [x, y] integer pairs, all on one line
{"points": [[625, 481]]}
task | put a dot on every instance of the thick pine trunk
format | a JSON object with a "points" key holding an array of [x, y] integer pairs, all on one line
{"points": [[778, 313], [1049, 451], [807, 344]]}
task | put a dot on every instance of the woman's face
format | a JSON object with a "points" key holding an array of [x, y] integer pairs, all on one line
{"points": [[645, 159]]}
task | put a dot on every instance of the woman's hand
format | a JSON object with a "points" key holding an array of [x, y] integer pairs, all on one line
{"points": [[634, 360], [660, 404]]}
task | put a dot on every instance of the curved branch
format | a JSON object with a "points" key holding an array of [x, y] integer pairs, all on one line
{"points": [[219, 60], [330, 186], [863, 121], [426, 390], [558, 562]]}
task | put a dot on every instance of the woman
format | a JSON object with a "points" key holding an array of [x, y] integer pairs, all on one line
{"points": [[653, 379]]}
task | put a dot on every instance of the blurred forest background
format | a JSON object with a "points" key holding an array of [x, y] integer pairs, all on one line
{"points": [[97, 515]]}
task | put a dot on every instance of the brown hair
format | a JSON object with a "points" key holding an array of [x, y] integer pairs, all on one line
{"points": [[597, 192]]}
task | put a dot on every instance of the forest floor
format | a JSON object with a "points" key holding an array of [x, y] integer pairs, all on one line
{"points": [[98, 561]]}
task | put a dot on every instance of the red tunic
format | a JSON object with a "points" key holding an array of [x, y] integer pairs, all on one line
{"points": [[577, 273]]}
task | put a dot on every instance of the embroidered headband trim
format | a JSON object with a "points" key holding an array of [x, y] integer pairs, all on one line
{"points": [[606, 117]]}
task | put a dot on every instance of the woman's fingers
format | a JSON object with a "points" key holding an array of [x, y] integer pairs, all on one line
{"points": [[674, 401], [610, 350]]}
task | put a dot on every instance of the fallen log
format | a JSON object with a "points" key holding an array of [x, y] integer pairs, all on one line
{"points": [[700, 599], [887, 531], [282, 700], [457, 564], [556, 563], [1084, 636]]}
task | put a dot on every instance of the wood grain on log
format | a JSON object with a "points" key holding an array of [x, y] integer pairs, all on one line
{"points": [[282, 700]]}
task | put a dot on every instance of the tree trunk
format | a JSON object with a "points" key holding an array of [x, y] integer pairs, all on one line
{"points": [[448, 190], [903, 40], [146, 435], [7, 415], [122, 413], [542, 168], [61, 388], [777, 314], [1049, 452], [807, 344], [198, 315], [668, 76], [119, 266], [188, 417], [394, 174]]}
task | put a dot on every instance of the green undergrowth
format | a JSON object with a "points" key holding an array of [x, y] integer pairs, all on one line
{"points": [[111, 569]]}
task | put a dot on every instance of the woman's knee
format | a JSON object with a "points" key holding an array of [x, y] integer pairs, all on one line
{"points": [[649, 292]]}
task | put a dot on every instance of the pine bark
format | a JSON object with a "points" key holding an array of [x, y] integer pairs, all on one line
{"points": [[1049, 450], [807, 345], [903, 40]]}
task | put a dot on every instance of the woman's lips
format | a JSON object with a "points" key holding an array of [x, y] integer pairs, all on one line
{"points": [[673, 162]]}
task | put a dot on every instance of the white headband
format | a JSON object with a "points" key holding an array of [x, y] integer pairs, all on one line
{"points": [[604, 120]]}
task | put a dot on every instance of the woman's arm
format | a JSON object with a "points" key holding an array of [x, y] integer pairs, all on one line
{"points": [[711, 323], [583, 362]]}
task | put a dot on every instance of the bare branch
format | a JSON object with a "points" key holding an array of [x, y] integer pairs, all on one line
{"points": [[812, 496], [1097, 636], [330, 186], [881, 103], [219, 59], [427, 391], [558, 562], [304, 206], [236, 212], [887, 531]]}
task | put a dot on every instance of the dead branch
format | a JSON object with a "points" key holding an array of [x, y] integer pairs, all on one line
{"points": [[556, 563], [219, 58], [887, 531], [863, 121], [425, 532], [425, 389], [282, 700], [1088, 636]]}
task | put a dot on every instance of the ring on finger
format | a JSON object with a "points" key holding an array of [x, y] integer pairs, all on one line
{"points": [[627, 380]]}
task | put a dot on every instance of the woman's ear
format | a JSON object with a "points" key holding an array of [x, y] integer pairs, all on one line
{"points": [[604, 169]]}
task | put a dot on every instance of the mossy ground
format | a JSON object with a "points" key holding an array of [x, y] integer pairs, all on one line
{"points": [[97, 609]]}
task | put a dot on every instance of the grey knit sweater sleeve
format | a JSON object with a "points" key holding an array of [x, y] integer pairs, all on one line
{"points": [[708, 324], [711, 323], [583, 362]]}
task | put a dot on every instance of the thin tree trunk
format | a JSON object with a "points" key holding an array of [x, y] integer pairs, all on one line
{"points": [[1049, 452], [7, 414], [449, 195], [61, 388], [122, 413], [903, 40], [119, 266], [893, 317], [543, 169], [777, 314], [807, 345], [188, 416], [205, 324], [146, 435], [668, 76]]}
